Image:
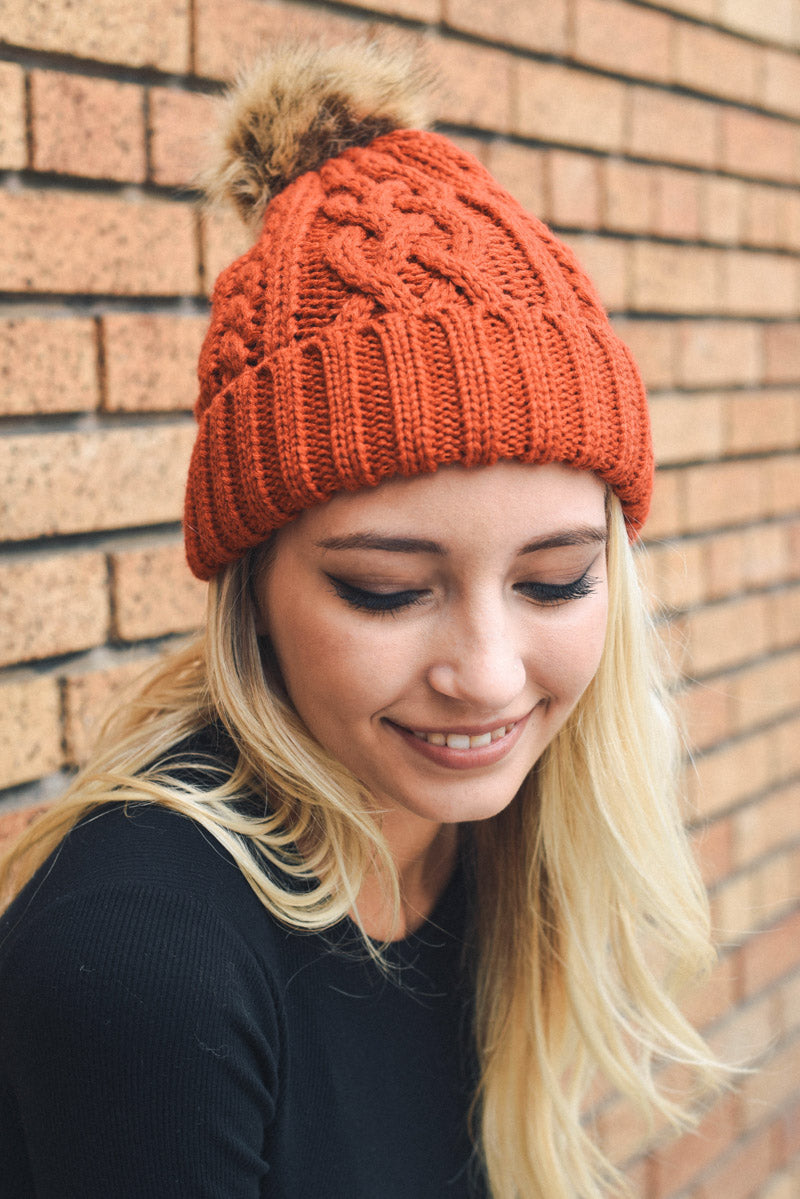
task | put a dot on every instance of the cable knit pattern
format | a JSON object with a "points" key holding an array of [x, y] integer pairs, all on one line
{"points": [[399, 312]]}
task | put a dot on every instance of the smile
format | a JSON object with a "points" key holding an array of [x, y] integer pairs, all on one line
{"points": [[464, 740]]}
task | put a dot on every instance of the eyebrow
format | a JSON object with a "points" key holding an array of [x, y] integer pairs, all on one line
{"points": [[581, 535]]}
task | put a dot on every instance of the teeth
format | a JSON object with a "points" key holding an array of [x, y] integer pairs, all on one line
{"points": [[462, 740]]}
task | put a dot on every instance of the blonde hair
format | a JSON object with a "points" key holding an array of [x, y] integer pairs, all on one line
{"points": [[580, 884]]}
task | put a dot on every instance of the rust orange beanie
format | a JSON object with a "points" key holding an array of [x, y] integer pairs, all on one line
{"points": [[399, 311]]}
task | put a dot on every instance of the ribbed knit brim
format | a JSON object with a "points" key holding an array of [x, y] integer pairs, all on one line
{"points": [[324, 371]]}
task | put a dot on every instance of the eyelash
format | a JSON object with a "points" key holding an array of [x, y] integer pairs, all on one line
{"points": [[545, 594]]}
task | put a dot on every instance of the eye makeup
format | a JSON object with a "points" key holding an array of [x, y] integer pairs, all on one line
{"points": [[542, 594]]}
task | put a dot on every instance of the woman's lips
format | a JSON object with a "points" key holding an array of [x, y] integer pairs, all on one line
{"points": [[459, 757]]}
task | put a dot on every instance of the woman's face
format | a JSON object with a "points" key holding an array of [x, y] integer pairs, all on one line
{"points": [[434, 633]]}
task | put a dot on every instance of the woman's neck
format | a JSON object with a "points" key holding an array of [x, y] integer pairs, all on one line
{"points": [[425, 859]]}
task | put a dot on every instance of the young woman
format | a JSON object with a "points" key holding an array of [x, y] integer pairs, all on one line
{"points": [[367, 884]]}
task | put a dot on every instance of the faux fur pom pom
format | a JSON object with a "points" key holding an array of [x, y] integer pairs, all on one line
{"points": [[303, 104]]}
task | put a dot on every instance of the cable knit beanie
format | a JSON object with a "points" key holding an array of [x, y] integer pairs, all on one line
{"points": [[399, 311]]}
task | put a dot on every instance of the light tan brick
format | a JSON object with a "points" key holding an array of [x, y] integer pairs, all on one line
{"points": [[733, 911], [677, 208], [707, 713], [773, 21], [91, 696], [667, 278], [791, 220], [155, 593], [728, 776], [629, 196], [726, 634], [759, 284], [782, 352], [679, 1160], [606, 261], [694, 8], [653, 346], [52, 605], [764, 220], [13, 142], [784, 618], [224, 238], [415, 10], [743, 559], [137, 33], [787, 754], [230, 33], [624, 39], [725, 493], [760, 146], [77, 482], [666, 517], [522, 171], [533, 24], [476, 84], [687, 428], [707, 60], [763, 421], [574, 189], [714, 997], [722, 205], [47, 365], [14, 821], [763, 1092], [84, 126], [781, 82], [151, 361], [30, 730], [765, 691], [714, 353], [675, 573], [783, 484], [54, 241], [179, 124], [766, 825], [672, 128], [560, 104]]}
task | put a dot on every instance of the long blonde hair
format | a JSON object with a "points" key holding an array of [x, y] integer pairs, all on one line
{"points": [[581, 884]]}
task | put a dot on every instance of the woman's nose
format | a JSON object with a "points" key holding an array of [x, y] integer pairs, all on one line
{"points": [[483, 668]]}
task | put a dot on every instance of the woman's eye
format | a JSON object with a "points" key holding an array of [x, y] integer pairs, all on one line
{"points": [[558, 593], [374, 601]]}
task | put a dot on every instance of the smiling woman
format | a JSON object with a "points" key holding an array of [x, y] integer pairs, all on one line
{"points": [[370, 882]]}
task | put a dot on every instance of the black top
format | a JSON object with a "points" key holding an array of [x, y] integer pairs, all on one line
{"points": [[161, 1035]]}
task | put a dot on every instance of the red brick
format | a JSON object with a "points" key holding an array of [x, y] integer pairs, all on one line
{"points": [[47, 365], [775, 885], [666, 517], [30, 729], [151, 361], [230, 33], [559, 104], [695, 8], [722, 205], [224, 238], [762, 421], [672, 128], [54, 241], [762, 1093], [773, 21], [624, 39], [677, 209], [773, 953], [52, 605], [629, 196], [712, 998], [782, 352], [767, 825], [766, 691], [621, 1131], [13, 141], [138, 33], [687, 428], [725, 493], [179, 123], [722, 635], [533, 24], [683, 1159], [712, 847], [788, 1005], [155, 593], [14, 822], [674, 573], [787, 751], [709, 61], [740, 560], [91, 696], [476, 84], [756, 145], [784, 618], [759, 284], [606, 261], [574, 189], [714, 353], [653, 346], [764, 218], [781, 82], [84, 126], [733, 910], [706, 709], [668, 278], [79, 482], [521, 171]]}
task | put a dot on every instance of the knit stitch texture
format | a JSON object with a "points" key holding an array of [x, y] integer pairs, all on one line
{"points": [[399, 312]]}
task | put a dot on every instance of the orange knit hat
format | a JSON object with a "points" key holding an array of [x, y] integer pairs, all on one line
{"points": [[398, 312]]}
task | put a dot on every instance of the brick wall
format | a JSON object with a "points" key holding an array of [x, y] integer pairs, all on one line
{"points": [[663, 141]]}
